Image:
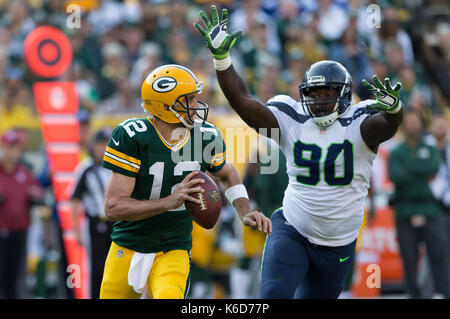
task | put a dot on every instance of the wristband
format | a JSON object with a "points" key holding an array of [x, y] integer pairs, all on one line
{"points": [[396, 109], [234, 192], [222, 65]]}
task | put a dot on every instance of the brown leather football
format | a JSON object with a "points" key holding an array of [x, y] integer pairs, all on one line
{"points": [[207, 213]]}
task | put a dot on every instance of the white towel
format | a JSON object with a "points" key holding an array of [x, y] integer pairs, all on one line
{"points": [[140, 267]]}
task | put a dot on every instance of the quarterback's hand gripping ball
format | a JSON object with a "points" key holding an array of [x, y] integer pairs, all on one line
{"points": [[207, 212]]}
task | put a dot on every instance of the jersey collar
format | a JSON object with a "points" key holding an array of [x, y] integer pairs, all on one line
{"points": [[173, 147]]}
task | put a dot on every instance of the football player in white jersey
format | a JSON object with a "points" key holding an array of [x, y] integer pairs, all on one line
{"points": [[329, 145]]}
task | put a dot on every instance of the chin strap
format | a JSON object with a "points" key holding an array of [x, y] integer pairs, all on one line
{"points": [[182, 120], [327, 120]]}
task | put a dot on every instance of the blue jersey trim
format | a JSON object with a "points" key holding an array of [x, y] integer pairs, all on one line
{"points": [[288, 110], [346, 121]]}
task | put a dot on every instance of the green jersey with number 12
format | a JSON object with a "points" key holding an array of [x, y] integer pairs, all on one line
{"points": [[137, 149]]}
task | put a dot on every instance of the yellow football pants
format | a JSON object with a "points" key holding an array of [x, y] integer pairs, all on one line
{"points": [[167, 279], [253, 241]]}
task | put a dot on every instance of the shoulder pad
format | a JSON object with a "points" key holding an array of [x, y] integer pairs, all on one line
{"points": [[363, 103], [134, 125], [283, 99]]}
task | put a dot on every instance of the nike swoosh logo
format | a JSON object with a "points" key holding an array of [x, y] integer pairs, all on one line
{"points": [[341, 260], [114, 141]]}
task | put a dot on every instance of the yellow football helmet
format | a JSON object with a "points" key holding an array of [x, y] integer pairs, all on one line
{"points": [[171, 85]]}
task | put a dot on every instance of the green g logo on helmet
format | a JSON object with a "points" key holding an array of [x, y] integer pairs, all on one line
{"points": [[164, 84]]}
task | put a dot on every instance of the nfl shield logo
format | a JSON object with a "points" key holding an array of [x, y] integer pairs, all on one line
{"points": [[119, 253]]}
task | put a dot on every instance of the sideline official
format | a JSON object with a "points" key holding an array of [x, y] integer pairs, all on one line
{"points": [[88, 195]]}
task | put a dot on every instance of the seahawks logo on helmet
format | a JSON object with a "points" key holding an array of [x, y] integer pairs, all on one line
{"points": [[164, 84]]}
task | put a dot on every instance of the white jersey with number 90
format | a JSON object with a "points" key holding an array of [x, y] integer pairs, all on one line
{"points": [[329, 172]]}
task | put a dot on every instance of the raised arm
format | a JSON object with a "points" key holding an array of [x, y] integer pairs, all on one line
{"points": [[382, 126], [250, 109], [219, 42]]}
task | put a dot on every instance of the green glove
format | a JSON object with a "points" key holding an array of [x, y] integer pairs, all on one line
{"points": [[218, 41], [387, 98]]}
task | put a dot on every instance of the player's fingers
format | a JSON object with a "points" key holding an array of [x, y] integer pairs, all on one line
{"points": [[192, 182], [252, 223], [248, 221], [200, 29], [224, 15], [232, 38], [264, 222], [236, 34], [186, 182], [189, 177], [368, 85], [377, 82], [258, 220], [195, 190], [387, 83], [214, 15], [267, 225], [192, 199], [398, 86], [206, 20]]}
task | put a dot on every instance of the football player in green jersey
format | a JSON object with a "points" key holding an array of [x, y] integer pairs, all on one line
{"points": [[154, 161]]}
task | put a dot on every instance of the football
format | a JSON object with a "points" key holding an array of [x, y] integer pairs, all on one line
{"points": [[207, 213]]}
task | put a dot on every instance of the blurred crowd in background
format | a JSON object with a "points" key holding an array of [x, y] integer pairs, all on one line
{"points": [[118, 42]]}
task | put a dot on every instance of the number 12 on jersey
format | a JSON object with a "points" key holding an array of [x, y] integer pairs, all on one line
{"points": [[309, 156], [157, 170]]}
